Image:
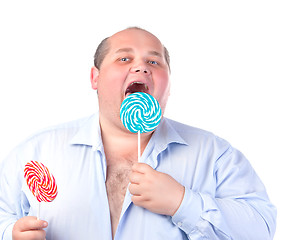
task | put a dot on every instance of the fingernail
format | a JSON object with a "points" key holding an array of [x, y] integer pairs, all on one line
{"points": [[45, 224]]}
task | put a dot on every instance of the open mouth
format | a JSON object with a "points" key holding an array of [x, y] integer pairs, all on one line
{"points": [[136, 87]]}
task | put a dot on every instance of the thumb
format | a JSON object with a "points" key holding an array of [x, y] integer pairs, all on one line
{"points": [[41, 224], [30, 223], [38, 224]]}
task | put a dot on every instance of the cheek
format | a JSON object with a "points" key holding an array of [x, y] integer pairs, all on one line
{"points": [[163, 89], [111, 79], [163, 82]]}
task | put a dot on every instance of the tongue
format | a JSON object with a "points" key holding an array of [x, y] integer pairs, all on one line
{"points": [[136, 87]]}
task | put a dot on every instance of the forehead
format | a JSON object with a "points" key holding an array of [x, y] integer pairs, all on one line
{"points": [[135, 39]]}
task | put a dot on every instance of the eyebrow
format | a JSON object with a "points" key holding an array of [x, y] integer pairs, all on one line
{"points": [[127, 50], [155, 53], [124, 50]]}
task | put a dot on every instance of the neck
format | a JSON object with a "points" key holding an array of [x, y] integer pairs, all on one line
{"points": [[121, 143]]}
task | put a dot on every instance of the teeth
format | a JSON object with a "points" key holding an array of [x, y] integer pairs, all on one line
{"points": [[137, 87], [137, 83]]}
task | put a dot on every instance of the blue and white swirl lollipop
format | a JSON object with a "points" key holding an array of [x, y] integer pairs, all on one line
{"points": [[140, 112]]}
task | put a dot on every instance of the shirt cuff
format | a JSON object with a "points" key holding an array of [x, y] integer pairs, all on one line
{"points": [[7, 235], [189, 213]]}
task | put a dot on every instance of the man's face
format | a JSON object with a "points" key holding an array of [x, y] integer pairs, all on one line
{"points": [[135, 63]]}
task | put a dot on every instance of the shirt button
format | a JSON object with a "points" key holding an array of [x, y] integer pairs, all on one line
{"points": [[179, 224]]}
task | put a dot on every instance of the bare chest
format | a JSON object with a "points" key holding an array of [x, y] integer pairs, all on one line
{"points": [[117, 181], [116, 185]]}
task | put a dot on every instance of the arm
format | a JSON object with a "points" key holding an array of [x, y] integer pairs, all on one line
{"points": [[202, 215], [240, 208], [10, 195]]}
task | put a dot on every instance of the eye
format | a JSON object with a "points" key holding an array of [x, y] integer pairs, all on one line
{"points": [[153, 62], [124, 59]]}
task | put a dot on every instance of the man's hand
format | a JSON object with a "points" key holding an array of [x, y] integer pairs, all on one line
{"points": [[29, 228], [158, 192]]}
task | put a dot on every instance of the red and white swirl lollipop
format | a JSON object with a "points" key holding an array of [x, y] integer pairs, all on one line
{"points": [[40, 182]]}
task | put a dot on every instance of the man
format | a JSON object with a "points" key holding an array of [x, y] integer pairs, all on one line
{"points": [[189, 184]]}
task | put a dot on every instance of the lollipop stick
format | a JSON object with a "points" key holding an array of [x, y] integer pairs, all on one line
{"points": [[38, 211], [139, 146]]}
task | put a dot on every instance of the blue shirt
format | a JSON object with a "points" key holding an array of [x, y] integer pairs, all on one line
{"points": [[224, 198]]}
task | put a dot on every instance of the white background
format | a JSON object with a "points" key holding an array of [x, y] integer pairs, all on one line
{"points": [[234, 72]]}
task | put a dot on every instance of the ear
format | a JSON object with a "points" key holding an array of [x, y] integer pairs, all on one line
{"points": [[94, 75]]}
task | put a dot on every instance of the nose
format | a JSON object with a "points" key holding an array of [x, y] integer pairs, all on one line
{"points": [[140, 69]]}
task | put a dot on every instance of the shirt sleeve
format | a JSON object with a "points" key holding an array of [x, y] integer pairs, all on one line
{"points": [[10, 195], [239, 209], [7, 235]]}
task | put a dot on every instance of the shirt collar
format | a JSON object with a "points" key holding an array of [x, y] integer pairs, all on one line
{"points": [[89, 133], [166, 134]]}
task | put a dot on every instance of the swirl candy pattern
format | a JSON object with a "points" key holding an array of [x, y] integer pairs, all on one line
{"points": [[140, 112], [40, 182]]}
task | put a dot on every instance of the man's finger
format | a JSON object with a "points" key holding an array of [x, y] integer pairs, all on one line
{"points": [[135, 177], [134, 189], [138, 201], [141, 167], [34, 234]]}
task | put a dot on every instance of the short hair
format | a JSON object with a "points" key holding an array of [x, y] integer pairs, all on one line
{"points": [[104, 47], [101, 52]]}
